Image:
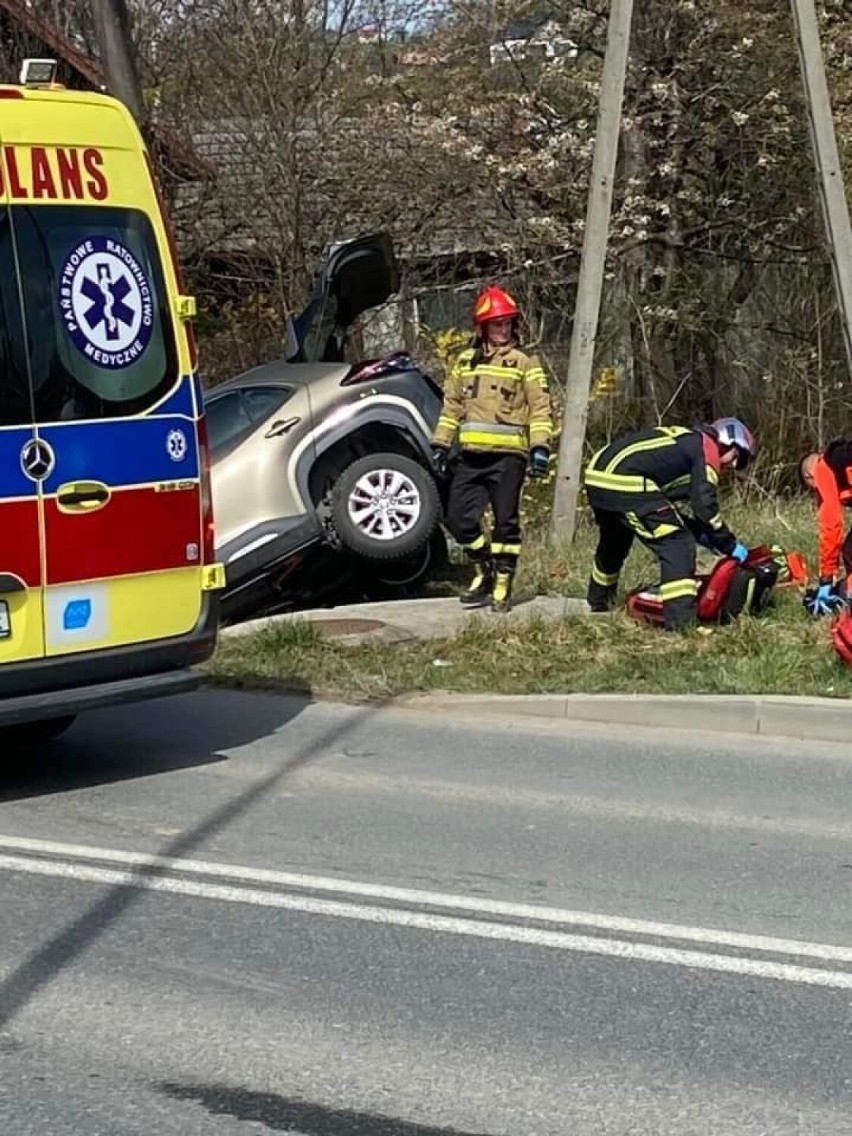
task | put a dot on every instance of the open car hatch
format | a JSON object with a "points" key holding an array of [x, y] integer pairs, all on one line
{"points": [[357, 275]]}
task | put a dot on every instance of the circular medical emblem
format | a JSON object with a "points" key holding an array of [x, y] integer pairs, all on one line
{"points": [[106, 303], [37, 459], [176, 445]]}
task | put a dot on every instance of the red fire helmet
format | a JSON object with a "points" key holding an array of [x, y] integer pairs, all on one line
{"points": [[493, 304]]}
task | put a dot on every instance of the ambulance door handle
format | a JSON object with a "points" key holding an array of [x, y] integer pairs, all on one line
{"points": [[82, 496]]}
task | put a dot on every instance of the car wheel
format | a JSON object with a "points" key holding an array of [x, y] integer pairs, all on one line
{"points": [[33, 733], [385, 506]]}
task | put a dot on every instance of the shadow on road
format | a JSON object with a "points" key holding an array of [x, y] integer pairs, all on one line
{"points": [[281, 1115], [213, 716], [144, 740]]}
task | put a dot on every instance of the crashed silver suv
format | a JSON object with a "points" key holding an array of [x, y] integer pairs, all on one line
{"points": [[313, 452]]}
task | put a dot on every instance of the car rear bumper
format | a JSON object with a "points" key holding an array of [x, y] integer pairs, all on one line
{"points": [[58, 686]]}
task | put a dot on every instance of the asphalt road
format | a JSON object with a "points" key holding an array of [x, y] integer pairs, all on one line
{"points": [[234, 913]]}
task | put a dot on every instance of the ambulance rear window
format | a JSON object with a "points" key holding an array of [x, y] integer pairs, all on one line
{"points": [[84, 315]]}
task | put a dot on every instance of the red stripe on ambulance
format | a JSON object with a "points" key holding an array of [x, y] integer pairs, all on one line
{"points": [[20, 553], [138, 530]]}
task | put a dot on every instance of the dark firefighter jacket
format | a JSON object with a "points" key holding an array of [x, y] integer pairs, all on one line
{"points": [[674, 463], [833, 483], [495, 402]]}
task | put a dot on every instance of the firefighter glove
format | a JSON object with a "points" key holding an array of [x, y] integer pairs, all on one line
{"points": [[823, 601], [440, 457], [740, 553], [539, 461]]}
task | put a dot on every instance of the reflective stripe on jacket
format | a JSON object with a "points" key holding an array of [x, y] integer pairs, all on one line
{"points": [[496, 401], [675, 462]]}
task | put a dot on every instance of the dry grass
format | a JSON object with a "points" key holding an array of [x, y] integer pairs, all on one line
{"points": [[782, 653]]}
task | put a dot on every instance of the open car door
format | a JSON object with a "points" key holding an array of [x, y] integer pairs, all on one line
{"points": [[356, 275]]}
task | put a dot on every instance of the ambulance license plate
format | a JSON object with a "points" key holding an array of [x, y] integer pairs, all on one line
{"points": [[5, 624]]}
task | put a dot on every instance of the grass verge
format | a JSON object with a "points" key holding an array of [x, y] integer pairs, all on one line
{"points": [[782, 653]]}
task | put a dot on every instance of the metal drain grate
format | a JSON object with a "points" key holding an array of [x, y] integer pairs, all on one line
{"points": [[333, 627]]}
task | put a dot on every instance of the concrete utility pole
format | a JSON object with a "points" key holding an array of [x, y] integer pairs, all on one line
{"points": [[827, 162], [589, 287], [115, 42]]}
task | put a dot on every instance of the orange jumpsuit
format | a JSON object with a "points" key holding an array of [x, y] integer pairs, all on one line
{"points": [[833, 483]]}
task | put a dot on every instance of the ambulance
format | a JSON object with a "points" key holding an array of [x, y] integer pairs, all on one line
{"points": [[108, 577]]}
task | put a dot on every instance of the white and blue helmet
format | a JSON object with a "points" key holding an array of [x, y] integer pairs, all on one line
{"points": [[733, 432]]}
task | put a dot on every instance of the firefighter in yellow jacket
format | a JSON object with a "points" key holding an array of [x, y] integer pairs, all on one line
{"points": [[496, 403]]}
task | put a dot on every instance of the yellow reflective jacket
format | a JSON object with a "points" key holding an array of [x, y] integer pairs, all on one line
{"points": [[496, 402]]}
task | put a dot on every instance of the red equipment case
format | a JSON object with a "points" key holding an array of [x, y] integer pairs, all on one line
{"points": [[729, 589]]}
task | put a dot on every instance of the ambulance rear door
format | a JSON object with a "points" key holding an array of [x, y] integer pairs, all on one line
{"points": [[115, 402], [23, 459]]}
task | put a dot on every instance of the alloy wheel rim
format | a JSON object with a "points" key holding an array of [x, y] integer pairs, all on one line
{"points": [[384, 504]]}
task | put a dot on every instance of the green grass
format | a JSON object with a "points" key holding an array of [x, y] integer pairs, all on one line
{"points": [[782, 653]]}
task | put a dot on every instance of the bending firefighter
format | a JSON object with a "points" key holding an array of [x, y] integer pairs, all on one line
{"points": [[829, 476], [497, 405], [632, 485]]}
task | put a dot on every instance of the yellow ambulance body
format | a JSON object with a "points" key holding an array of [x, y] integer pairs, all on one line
{"points": [[108, 579]]}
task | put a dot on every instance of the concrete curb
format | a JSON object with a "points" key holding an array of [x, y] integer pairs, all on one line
{"points": [[811, 719], [417, 619]]}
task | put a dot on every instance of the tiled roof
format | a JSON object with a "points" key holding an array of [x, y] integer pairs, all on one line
{"points": [[78, 70], [523, 29], [83, 67], [240, 208]]}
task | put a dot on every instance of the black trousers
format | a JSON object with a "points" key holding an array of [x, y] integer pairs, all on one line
{"points": [[477, 481], [663, 532]]}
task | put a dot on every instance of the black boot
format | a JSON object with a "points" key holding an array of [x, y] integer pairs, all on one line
{"points": [[501, 593], [479, 592], [601, 598]]}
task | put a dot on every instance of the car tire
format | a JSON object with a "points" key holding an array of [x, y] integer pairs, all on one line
{"points": [[35, 733], [412, 571], [372, 530]]}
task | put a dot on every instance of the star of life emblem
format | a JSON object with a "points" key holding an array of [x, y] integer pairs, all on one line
{"points": [[106, 303], [176, 445]]}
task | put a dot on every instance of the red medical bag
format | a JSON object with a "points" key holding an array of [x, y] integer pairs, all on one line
{"points": [[729, 589], [841, 637]]}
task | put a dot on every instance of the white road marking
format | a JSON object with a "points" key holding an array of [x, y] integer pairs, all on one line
{"points": [[236, 873], [141, 866], [442, 924]]}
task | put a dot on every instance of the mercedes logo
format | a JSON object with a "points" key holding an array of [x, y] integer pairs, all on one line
{"points": [[37, 459]]}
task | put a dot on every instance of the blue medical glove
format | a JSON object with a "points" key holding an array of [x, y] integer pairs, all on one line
{"points": [[539, 461], [740, 552], [824, 601]]}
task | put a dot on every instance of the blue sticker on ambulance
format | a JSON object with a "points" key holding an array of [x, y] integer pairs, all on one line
{"points": [[106, 303], [77, 615]]}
